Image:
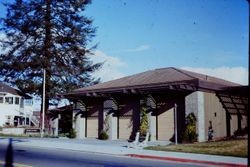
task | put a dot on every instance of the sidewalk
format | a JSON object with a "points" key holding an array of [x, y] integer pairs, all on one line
{"points": [[120, 148]]}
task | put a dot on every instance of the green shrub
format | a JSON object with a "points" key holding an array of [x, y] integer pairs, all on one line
{"points": [[103, 135], [72, 134], [190, 135], [144, 124]]}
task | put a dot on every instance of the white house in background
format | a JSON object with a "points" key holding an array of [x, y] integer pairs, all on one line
{"points": [[15, 107]]}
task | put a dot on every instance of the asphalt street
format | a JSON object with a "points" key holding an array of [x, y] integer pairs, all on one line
{"points": [[40, 157]]}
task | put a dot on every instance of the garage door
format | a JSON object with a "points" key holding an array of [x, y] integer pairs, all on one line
{"points": [[92, 127], [166, 125], [125, 127]]}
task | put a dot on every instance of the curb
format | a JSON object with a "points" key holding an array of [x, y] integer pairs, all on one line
{"points": [[182, 160]]}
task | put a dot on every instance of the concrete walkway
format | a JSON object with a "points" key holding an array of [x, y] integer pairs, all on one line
{"points": [[120, 148]]}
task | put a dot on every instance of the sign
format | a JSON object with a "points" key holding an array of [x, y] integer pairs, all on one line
{"points": [[32, 130]]}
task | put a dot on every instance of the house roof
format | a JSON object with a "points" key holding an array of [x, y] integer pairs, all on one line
{"points": [[157, 79], [7, 89]]}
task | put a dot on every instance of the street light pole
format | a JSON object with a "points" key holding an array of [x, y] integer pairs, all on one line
{"points": [[43, 101]]}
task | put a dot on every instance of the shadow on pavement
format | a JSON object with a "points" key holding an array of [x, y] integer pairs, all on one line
{"points": [[9, 155]]}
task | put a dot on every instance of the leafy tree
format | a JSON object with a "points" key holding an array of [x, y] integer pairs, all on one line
{"points": [[47, 34]]}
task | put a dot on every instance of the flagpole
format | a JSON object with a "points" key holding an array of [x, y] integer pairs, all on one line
{"points": [[43, 102]]}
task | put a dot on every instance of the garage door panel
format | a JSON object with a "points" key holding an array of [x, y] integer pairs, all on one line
{"points": [[125, 127], [92, 127], [166, 125]]}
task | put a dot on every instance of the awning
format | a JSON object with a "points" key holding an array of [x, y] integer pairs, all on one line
{"points": [[234, 99]]}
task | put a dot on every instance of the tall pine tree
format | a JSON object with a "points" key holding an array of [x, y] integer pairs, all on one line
{"points": [[47, 34]]}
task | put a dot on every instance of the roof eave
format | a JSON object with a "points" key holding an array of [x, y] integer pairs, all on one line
{"points": [[189, 85]]}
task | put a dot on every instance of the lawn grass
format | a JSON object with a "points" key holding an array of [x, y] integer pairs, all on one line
{"points": [[236, 148]]}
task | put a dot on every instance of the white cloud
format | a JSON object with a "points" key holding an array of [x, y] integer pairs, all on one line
{"points": [[139, 48], [111, 67], [233, 74], [136, 49]]}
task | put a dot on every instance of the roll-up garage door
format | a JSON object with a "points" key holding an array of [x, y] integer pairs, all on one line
{"points": [[125, 127], [166, 125], [92, 127]]}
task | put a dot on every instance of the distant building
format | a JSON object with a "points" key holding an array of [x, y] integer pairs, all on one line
{"points": [[15, 107], [60, 120]]}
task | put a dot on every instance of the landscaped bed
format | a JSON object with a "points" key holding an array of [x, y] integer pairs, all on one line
{"points": [[236, 147]]}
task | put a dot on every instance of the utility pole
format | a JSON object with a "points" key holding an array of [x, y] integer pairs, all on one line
{"points": [[43, 101]]}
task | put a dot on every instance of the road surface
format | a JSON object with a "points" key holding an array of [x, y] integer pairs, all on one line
{"points": [[43, 157]]}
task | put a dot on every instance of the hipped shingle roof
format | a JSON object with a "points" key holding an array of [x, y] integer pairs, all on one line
{"points": [[158, 78]]}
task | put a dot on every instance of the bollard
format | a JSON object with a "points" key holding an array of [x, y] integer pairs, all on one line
{"points": [[9, 155]]}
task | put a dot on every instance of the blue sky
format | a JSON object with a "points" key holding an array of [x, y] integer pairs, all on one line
{"points": [[207, 36]]}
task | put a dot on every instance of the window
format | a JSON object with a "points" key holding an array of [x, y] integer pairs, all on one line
{"points": [[28, 102], [1, 99], [17, 101], [9, 100]]}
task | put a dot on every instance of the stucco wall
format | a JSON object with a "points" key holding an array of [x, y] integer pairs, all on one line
{"points": [[244, 121], [78, 121], [194, 103], [233, 123], [191, 103], [207, 107], [215, 113]]}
